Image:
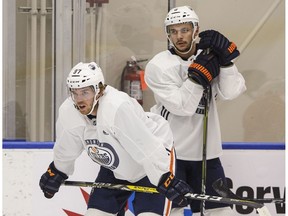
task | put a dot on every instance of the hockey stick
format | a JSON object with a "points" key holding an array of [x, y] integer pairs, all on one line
{"points": [[204, 151], [133, 188], [224, 191], [261, 209]]}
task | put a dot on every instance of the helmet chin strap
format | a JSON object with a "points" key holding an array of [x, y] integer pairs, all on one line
{"points": [[97, 96], [191, 46], [94, 104]]}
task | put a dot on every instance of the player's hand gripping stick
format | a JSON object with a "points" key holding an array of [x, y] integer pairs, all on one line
{"points": [[204, 68], [51, 181], [225, 49], [174, 189]]}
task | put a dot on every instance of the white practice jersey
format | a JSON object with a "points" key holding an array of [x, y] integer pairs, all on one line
{"points": [[179, 100], [123, 138]]}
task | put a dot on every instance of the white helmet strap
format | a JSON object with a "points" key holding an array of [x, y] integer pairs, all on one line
{"points": [[97, 93], [193, 37], [94, 104]]}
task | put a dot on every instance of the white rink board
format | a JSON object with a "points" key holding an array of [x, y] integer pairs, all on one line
{"points": [[250, 170], [256, 170]]}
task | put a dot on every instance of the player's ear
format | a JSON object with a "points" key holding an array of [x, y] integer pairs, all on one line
{"points": [[197, 31]]}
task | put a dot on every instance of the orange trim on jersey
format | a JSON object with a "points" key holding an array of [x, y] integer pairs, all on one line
{"points": [[171, 169], [172, 158], [168, 208]]}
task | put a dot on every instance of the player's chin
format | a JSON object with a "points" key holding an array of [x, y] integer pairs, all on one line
{"points": [[84, 111], [182, 48]]}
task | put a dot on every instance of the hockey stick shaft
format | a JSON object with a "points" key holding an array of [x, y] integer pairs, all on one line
{"points": [[191, 196], [132, 188], [204, 151]]}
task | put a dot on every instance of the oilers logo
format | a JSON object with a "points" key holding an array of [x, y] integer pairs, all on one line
{"points": [[102, 153]]}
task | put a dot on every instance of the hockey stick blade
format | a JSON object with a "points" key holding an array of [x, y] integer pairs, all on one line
{"points": [[224, 191], [262, 210]]}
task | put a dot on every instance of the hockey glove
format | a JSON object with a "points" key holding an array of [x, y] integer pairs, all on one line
{"points": [[174, 189], [51, 181], [225, 49], [204, 68]]}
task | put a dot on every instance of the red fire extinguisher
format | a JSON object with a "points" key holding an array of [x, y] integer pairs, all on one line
{"points": [[132, 80]]}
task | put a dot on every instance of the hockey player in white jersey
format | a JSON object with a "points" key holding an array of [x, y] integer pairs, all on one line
{"points": [[132, 146], [178, 77]]}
